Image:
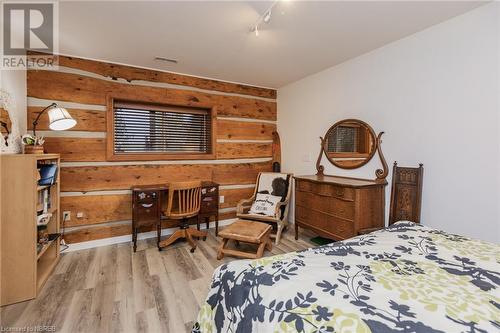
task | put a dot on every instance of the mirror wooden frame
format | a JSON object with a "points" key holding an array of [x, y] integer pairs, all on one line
{"points": [[381, 174]]}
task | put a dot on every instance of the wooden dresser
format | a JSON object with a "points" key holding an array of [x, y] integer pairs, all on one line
{"points": [[338, 207]]}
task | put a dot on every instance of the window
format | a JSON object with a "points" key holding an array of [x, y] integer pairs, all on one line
{"points": [[141, 131]]}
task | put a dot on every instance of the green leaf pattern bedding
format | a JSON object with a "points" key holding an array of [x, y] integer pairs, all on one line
{"points": [[406, 278]]}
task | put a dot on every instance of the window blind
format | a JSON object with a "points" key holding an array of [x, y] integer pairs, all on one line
{"points": [[142, 128], [344, 140]]}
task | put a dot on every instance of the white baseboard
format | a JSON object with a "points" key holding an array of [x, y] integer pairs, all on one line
{"points": [[128, 238]]}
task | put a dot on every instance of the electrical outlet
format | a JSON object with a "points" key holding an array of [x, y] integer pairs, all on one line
{"points": [[79, 215], [66, 215], [221, 199]]}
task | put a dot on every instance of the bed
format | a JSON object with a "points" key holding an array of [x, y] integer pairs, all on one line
{"points": [[405, 278]]}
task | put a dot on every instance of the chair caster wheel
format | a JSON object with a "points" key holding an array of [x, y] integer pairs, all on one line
{"points": [[192, 250]]}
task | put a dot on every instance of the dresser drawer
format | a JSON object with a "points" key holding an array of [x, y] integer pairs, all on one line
{"points": [[309, 217], [331, 206], [328, 190], [337, 227]]}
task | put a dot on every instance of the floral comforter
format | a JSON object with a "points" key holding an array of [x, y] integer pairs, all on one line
{"points": [[406, 278]]}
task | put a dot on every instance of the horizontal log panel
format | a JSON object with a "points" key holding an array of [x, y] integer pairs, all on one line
{"points": [[233, 150], [106, 231], [233, 196], [87, 90], [86, 120], [243, 130], [97, 232], [94, 149], [130, 73], [77, 149], [97, 208], [125, 176], [246, 108]]}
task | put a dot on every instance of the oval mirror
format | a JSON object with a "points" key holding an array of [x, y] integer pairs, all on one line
{"points": [[350, 144]]}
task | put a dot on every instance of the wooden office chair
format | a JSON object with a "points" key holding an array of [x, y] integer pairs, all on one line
{"points": [[184, 200]]}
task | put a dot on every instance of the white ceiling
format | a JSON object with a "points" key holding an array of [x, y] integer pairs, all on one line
{"points": [[212, 39]]}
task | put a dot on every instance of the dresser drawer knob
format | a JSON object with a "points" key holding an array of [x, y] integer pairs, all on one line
{"points": [[339, 192]]}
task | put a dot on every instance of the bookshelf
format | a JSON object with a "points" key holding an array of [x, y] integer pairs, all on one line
{"points": [[25, 265]]}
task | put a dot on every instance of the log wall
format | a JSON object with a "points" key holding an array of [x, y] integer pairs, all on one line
{"points": [[100, 189]]}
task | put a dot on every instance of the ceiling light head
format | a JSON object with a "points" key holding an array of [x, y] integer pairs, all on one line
{"points": [[173, 61], [267, 17], [256, 30]]}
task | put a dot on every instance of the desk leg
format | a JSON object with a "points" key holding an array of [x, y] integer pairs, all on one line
{"points": [[198, 218], [134, 237], [217, 224], [158, 234]]}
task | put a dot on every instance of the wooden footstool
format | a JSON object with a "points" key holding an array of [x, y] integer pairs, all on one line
{"points": [[246, 232]]}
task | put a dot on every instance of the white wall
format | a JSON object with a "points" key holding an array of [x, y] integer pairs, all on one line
{"points": [[435, 94], [13, 82]]}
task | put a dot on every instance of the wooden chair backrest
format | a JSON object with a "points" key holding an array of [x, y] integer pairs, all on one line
{"points": [[289, 179], [406, 194], [188, 199]]}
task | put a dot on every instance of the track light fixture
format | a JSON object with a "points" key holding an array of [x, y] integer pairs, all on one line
{"points": [[266, 18]]}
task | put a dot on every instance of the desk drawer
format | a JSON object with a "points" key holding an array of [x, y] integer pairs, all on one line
{"points": [[209, 205], [210, 191], [331, 206], [327, 190]]}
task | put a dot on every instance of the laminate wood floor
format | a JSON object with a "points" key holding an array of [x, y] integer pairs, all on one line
{"points": [[112, 289]]}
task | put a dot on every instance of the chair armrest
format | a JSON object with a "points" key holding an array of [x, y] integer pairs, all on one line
{"points": [[240, 207], [277, 212]]}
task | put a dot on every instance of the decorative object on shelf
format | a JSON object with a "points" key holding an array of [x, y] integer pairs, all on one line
{"points": [[59, 120], [47, 174], [43, 234], [43, 219], [9, 125], [32, 144]]}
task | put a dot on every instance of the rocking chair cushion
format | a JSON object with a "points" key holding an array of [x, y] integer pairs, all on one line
{"points": [[274, 183], [265, 204]]}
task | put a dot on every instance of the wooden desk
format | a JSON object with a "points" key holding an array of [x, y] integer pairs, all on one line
{"points": [[148, 202]]}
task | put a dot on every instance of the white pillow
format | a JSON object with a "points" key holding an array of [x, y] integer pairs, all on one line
{"points": [[265, 204]]}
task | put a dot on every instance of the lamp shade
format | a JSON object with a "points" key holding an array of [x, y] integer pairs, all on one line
{"points": [[60, 119]]}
